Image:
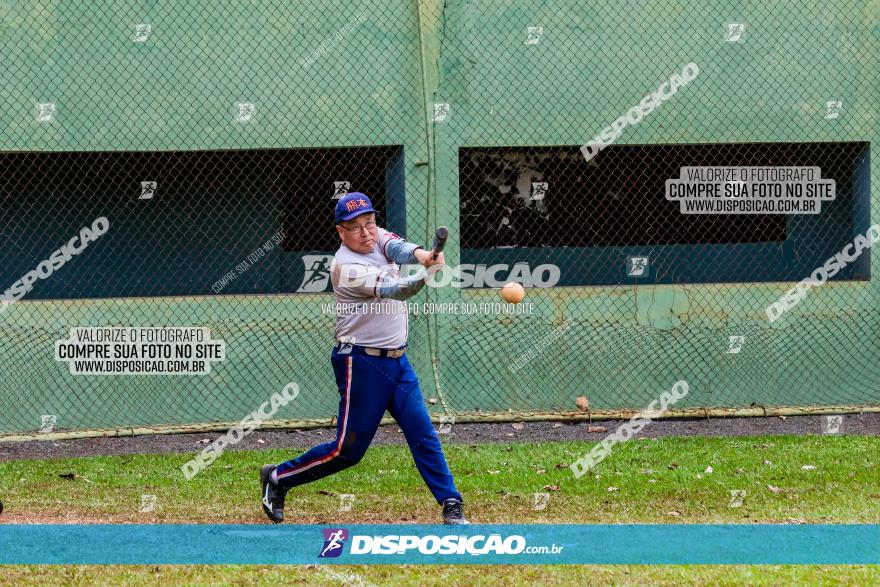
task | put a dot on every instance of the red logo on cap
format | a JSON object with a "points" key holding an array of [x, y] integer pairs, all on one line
{"points": [[353, 204]]}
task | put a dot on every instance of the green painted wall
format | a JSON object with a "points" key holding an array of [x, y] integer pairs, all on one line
{"points": [[594, 61], [334, 74]]}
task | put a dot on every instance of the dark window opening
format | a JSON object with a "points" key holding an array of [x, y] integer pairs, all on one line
{"points": [[182, 221], [544, 204]]}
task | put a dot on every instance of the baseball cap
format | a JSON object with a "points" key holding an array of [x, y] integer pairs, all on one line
{"points": [[351, 205]]}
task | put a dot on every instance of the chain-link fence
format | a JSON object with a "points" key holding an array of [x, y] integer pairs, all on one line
{"points": [[175, 166]]}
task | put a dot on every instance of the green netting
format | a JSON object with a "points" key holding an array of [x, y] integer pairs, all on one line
{"points": [[213, 138]]}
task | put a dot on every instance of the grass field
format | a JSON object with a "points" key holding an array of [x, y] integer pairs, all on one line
{"points": [[643, 481]]}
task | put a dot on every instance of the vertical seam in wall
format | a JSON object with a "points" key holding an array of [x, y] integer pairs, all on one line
{"points": [[428, 94]]}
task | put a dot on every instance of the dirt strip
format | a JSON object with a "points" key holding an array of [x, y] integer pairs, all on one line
{"points": [[864, 424]]}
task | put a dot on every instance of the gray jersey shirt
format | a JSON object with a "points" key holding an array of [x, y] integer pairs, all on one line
{"points": [[362, 317]]}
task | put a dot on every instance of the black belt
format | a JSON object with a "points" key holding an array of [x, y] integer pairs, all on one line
{"points": [[372, 351]]}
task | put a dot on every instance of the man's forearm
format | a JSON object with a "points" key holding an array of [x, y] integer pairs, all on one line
{"points": [[403, 288]]}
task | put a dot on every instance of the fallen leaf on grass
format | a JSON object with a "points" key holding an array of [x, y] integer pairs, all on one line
{"points": [[808, 467], [676, 514], [597, 429], [673, 466], [709, 469], [613, 489], [773, 489], [539, 471], [493, 472], [561, 466], [551, 488]]}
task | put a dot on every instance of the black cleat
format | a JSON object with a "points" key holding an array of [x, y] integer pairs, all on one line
{"points": [[272, 495], [453, 512]]}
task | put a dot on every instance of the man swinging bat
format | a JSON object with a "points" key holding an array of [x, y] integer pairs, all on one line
{"points": [[372, 371]]}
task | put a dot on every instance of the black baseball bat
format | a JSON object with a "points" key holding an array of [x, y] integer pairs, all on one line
{"points": [[439, 241]]}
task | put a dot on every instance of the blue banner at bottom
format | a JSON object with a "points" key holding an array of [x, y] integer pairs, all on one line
{"points": [[437, 544]]}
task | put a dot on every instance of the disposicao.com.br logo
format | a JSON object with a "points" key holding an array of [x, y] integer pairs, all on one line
{"points": [[334, 542], [450, 544]]}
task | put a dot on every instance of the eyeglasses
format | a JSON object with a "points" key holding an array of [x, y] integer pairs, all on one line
{"points": [[357, 227]]}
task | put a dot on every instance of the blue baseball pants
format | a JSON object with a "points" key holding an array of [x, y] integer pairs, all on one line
{"points": [[368, 386]]}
